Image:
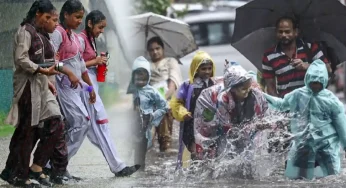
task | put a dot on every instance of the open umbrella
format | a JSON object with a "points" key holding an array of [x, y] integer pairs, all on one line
{"points": [[176, 35], [319, 20]]}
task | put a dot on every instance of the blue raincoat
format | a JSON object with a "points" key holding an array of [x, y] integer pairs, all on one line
{"points": [[151, 101], [319, 126]]}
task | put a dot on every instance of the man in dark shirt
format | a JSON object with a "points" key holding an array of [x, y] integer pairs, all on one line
{"points": [[284, 65]]}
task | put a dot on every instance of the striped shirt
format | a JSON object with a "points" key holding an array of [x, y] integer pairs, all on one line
{"points": [[276, 64]]}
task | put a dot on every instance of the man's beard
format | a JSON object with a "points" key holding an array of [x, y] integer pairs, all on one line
{"points": [[286, 42]]}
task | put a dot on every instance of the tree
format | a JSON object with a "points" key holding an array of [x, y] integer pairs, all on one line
{"points": [[155, 6]]}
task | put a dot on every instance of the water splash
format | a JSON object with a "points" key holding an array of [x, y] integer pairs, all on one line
{"points": [[252, 167], [251, 162]]}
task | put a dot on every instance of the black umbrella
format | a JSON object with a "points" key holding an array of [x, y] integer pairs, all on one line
{"points": [[319, 20]]}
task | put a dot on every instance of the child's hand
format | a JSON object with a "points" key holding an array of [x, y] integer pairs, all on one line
{"points": [[92, 96], [187, 117]]}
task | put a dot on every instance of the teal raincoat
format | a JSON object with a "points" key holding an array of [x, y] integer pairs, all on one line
{"points": [[318, 126], [151, 101]]}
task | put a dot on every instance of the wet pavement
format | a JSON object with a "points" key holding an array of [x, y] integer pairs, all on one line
{"points": [[90, 165]]}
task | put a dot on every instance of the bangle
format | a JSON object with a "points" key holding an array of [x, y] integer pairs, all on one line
{"points": [[90, 89], [59, 67]]}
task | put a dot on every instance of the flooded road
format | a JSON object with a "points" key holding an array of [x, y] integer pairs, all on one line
{"points": [[90, 165]]}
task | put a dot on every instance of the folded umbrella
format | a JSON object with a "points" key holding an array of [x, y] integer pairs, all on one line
{"points": [[319, 21]]}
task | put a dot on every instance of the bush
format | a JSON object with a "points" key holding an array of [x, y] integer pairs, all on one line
{"points": [[109, 93], [5, 130]]}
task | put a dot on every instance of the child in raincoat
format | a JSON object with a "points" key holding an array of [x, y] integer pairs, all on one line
{"points": [[212, 118], [201, 74], [149, 106], [237, 105], [318, 125]]}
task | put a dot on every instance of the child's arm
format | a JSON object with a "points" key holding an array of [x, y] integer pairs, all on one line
{"points": [[177, 105], [223, 115], [161, 107], [179, 112], [279, 103], [339, 122]]}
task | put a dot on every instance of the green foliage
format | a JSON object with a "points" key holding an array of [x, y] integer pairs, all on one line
{"points": [[109, 94], [5, 130], [155, 6], [160, 6]]}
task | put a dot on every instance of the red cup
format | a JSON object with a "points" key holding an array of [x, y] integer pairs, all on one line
{"points": [[101, 71]]}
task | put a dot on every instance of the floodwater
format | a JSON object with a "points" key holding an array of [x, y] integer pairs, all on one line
{"points": [[90, 165]]}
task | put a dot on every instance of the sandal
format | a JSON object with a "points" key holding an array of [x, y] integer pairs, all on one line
{"points": [[127, 171], [47, 171], [25, 184], [70, 177], [38, 177], [5, 175], [57, 179]]}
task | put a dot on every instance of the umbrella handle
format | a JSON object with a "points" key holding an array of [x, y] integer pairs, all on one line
{"points": [[226, 62], [146, 31]]}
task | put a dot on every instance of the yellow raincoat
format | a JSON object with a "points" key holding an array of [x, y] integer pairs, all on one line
{"points": [[181, 104]]}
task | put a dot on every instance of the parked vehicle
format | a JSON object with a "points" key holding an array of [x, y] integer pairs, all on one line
{"points": [[213, 31]]}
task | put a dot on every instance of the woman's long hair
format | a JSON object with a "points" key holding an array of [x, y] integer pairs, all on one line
{"points": [[42, 6], [95, 17], [69, 7]]}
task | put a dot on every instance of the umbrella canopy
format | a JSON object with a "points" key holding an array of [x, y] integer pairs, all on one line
{"points": [[319, 20], [176, 35]]}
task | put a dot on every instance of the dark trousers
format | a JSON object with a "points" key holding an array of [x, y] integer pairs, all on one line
{"points": [[53, 133], [140, 142], [26, 136], [189, 136], [140, 152]]}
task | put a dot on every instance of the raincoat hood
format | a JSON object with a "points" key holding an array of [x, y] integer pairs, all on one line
{"points": [[317, 72], [234, 75], [141, 62], [197, 61]]}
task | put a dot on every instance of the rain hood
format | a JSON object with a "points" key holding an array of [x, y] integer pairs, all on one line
{"points": [[235, 74], [197, 61], [141, 62], [317, 72]]}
